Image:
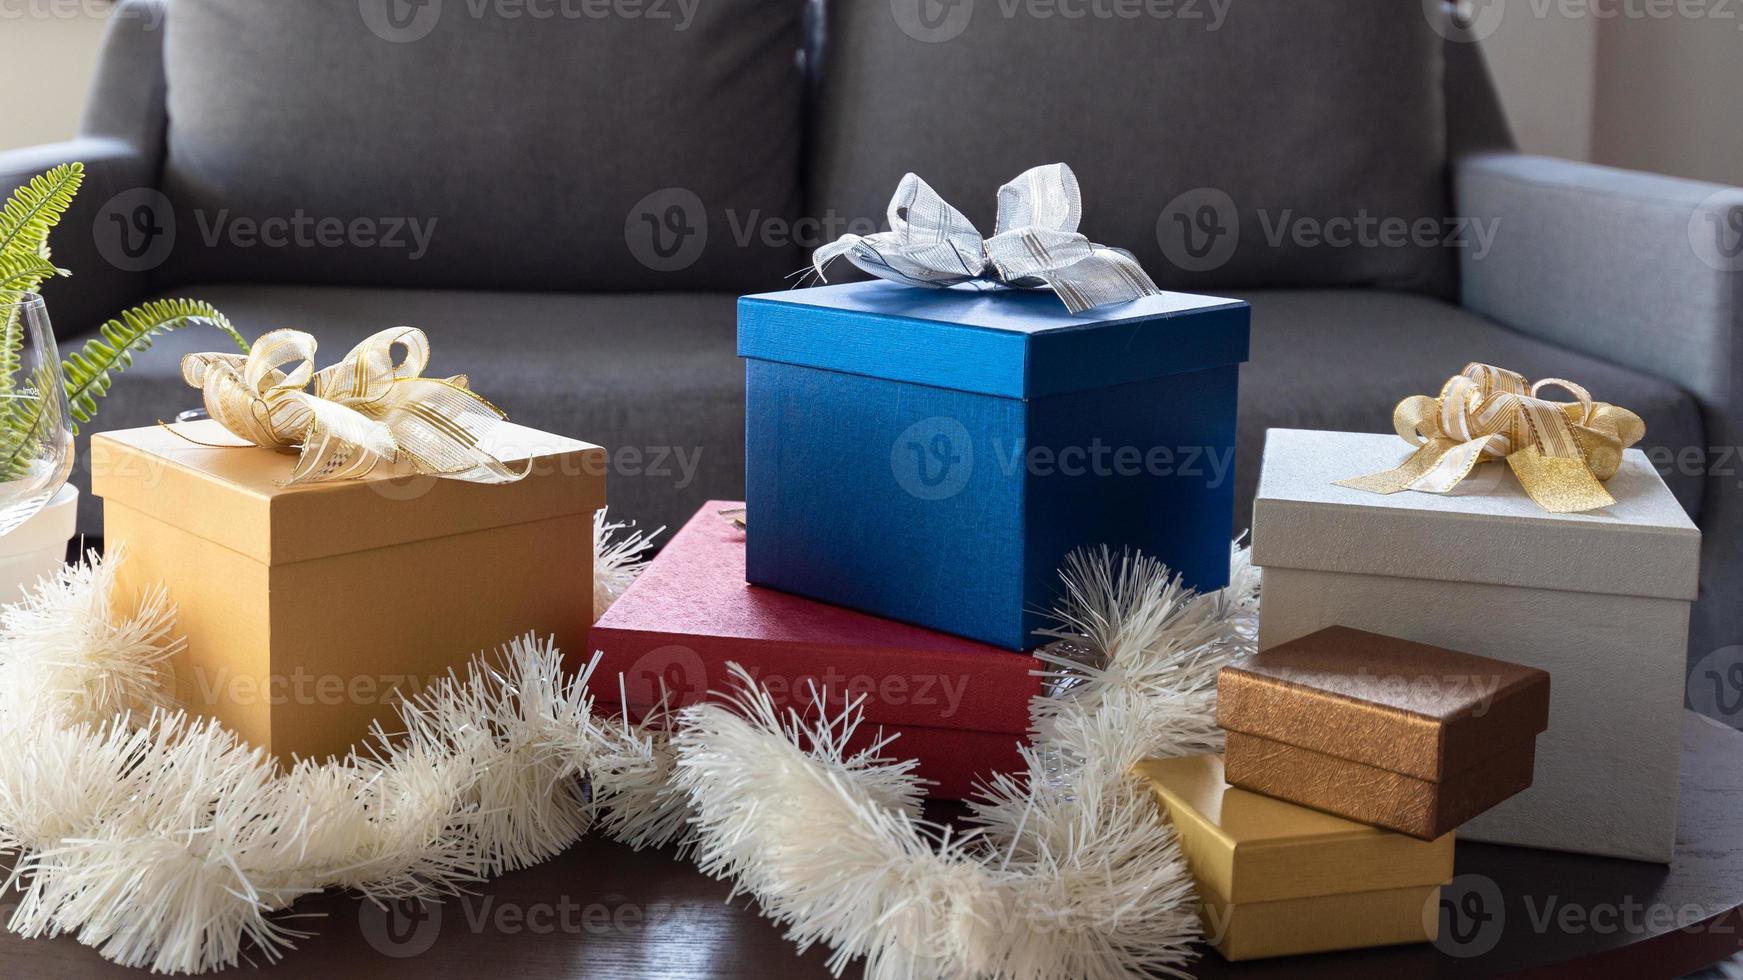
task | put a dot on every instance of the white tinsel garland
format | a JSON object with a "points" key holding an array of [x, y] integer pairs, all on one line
{"points": [[1069, 873], [168, 843]]}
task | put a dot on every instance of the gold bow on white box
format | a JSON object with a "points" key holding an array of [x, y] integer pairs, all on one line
{"points": [[365, 410], [1560, 451]]}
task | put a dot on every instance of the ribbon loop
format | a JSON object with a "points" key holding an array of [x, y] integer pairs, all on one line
{"points": [[1035, 243], [1560, 451], [366, 409]]}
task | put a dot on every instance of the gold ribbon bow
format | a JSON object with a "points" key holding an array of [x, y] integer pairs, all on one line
{"points": [[1559, 450], [364, 410]]}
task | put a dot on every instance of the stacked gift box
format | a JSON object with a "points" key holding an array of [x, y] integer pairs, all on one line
{"points": [[919, 464], [307, 609], [957, 706], [1599, 599], [1351, 758], [1357, 741]]}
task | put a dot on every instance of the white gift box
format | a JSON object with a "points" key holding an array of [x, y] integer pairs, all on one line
{"points": [[1600, 600]]}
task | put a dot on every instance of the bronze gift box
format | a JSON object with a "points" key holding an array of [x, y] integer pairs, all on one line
{"points": [[1387, 732]]}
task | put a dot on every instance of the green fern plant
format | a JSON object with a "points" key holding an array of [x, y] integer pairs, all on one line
{"points": [[90, 371], [36, 207], [26, 220]]}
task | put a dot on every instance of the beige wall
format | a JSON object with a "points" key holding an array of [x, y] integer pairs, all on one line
{"points": [[1544, 68], [1630, 83], [1670, 95], [47, 51]]}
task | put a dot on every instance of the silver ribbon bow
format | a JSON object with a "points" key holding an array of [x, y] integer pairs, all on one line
{"points": [[1035, 244]]}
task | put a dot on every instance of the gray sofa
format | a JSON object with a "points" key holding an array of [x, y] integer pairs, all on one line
{"points": [[569, 204]]}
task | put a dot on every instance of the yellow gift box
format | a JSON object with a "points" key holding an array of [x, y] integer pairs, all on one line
{"points": [[309, 609], [1276, 879]]}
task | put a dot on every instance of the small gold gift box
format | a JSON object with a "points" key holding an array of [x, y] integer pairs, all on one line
{"points": [[1276, 879], [309, 609]]}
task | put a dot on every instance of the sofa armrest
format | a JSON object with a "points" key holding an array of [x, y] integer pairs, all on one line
{"points": [[103, 240], [126, 99], [104, 279], [1638, 269], [1644, 271]]}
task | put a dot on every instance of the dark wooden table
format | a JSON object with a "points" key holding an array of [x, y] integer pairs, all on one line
{"points": [[603, 911]]}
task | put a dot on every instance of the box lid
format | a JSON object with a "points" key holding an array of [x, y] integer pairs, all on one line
{"points": [[1486, 531], [690, 614], [1011, 343], [233, 496], [1403, 707], [1245, 847]]}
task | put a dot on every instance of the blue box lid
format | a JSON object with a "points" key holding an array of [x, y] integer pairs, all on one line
{"points": [[1014, 343]]}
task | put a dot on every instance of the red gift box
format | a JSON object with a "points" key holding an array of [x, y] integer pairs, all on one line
{"points": [[960, 707]]}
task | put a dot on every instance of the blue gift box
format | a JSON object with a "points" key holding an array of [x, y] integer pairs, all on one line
{"points": [[932, 455]]}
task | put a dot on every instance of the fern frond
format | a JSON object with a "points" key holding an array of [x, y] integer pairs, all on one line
{"points": [[28, 216], [23, 272], [89, 371], [36, 207]]}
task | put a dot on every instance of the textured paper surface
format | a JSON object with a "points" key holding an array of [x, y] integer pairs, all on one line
{"points": [[1246, 847], [1606, 774], [1487, 530], [235, 496], [1009, 343], [691, 613], [1320, 924], [1424, 809], [1410, 708], [299, 656], [958, 706]]}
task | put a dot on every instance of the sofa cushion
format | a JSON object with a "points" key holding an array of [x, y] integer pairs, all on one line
{"points": [[1287, 120], [1344, 359], [474, 143], [654, 378]]}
